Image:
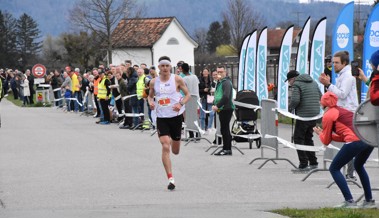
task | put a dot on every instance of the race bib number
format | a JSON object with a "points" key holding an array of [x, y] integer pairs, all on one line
{"points": [[164, 102]]}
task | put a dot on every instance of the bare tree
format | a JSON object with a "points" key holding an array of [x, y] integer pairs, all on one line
{"points": [[53, 51], [242, 19], [102, 16], [201, 38]]}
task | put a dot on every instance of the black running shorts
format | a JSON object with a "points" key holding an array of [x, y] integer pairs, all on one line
{"points": [[170, 126]]}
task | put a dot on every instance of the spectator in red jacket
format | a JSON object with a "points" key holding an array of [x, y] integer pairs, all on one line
{"points": [[374, 88], [337, 124]]}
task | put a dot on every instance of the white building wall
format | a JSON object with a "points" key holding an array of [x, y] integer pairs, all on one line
{"points": [[136, 55], [184, 51]]}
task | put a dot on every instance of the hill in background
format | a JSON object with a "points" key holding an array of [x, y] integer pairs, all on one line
{"points": [[52, 15]]}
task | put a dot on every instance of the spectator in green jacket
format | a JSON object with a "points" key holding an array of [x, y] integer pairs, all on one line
{"points": [[223, 104], [305, 101]]}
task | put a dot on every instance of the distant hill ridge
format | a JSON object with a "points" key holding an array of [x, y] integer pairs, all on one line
{"points": [[52, 15]]}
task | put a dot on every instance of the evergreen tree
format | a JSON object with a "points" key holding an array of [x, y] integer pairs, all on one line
{"points": [[217, 35], [225, 33], [8, 50], [27, 36], [214, 36]]}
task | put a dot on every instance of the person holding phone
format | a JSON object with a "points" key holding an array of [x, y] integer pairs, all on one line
{"points": [[345, 89], [374, 60]]}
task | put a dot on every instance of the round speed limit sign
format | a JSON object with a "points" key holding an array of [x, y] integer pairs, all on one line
{"points": [[39, 71]]}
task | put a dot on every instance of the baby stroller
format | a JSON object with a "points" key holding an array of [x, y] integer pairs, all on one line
{"points": [[244, 128]]}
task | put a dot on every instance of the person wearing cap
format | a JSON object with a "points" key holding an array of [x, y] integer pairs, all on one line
{"points": [[345, 89], [305, 100], [337, 124], [169, 105], [374, 87]]}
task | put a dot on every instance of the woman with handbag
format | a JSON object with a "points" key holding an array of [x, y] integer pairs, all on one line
{"points": [[206, 91]]}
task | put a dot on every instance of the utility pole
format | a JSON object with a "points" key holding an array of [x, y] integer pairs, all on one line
{"points": [[298, 17], [358, 15]]}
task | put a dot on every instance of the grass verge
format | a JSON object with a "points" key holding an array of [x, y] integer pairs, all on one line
{"points": [[328, 213], [18, 102]]}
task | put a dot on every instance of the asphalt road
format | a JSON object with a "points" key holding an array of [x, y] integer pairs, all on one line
{"points": [[56, 164]]}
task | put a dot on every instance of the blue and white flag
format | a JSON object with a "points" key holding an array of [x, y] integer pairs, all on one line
{"points": [[284, 67], [262, 91], [370, 45], [343, 33], [302, 52], [249, 81], [318, 52], [241, 68]]}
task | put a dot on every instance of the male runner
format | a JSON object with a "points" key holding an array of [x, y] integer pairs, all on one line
{"points": [[169, 107]]}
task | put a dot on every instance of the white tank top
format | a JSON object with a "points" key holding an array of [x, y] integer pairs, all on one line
{"points": [[166, 96]]}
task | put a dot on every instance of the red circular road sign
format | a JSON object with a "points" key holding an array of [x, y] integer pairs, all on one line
{"points": [[39, 71]]}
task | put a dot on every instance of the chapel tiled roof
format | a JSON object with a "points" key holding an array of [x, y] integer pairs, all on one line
{"points": [[139, 32], [275, 36]]}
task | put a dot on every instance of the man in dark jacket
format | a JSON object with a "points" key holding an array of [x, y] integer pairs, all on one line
{"points": [[305, 100]]}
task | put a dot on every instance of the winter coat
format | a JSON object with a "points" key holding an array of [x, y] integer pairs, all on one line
{"points": [[205, 83], [132, 83], [305, 97], [224, 95], [26, 89]]}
